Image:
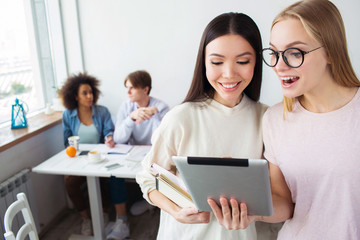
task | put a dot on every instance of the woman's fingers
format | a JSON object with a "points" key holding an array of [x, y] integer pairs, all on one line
{"points": [[192, 215], [189, 211], [204, 217], [110, 143], [216, 210], [224, 213], [227, 214], [235, 214], [244, 219]]}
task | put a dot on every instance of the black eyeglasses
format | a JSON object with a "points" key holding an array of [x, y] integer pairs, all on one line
{"points": [[293, 57]]}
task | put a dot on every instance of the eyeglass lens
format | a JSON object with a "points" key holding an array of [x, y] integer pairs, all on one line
{"points": [[292, 57]]}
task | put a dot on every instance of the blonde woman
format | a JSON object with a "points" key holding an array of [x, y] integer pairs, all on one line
{"points": [[311, 139]]}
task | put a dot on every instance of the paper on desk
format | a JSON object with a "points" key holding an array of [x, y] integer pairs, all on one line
{"points": [[118, 149], [138, 153]]}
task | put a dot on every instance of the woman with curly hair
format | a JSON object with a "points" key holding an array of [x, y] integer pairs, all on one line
{"points": [[93, 124]]}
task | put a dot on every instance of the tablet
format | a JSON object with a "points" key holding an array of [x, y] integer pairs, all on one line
{"points": [[246, 180]]}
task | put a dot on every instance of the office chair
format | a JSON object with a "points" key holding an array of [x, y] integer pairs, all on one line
{"points": [[28, 228]]}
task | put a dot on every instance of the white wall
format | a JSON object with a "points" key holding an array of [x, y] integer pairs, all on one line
{"points": [[161, 36], [49, 189], [118, 37]]}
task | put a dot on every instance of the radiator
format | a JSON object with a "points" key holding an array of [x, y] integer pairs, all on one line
{"points": [[20, 182]]}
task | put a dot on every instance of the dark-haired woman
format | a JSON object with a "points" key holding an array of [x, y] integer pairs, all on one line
{"points": [[220, 116], [93, 124]]}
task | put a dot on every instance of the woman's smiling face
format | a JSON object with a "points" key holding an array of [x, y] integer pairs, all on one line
{"points": [[230, 62], [311, 75]]}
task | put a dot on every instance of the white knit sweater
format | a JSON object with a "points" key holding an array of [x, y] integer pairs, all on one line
{"points": [[203, 129]]}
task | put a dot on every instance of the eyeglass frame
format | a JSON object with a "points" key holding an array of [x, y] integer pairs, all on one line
{"points": [[303, 53]]}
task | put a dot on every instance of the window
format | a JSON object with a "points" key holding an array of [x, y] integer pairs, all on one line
{"points": [[26, 69]]}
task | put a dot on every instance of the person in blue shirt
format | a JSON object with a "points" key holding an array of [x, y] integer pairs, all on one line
{"points": [[93, 124], [138, 118]]}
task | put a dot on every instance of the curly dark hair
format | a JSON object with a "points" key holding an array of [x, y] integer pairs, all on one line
{"points": [[70, 89]]}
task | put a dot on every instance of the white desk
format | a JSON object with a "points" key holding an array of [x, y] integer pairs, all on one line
{"points": [[61, 164]]}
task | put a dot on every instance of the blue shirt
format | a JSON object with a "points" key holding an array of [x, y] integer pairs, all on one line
{"points": [[101, 119]]}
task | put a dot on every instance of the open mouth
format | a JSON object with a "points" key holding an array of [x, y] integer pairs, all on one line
{"points": [[289, 80], [229, 85]]}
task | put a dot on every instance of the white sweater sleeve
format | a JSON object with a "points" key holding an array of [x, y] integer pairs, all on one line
{"points": [[162, 150]]}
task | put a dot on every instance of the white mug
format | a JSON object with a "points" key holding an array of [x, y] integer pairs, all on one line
{"points": [[94, 156]]}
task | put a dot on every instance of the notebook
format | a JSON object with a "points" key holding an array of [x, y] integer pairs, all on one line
{"points": [[246, 180]]}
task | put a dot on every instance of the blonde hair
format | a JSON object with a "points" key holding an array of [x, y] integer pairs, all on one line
{"points": [[323, 22]]}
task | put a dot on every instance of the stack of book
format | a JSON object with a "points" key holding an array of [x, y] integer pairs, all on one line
{"points": [[172, 187]]}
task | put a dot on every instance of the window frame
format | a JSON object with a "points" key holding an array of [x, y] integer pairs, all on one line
{"points": [[44, 25]]}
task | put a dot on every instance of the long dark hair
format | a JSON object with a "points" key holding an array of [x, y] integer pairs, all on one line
{"points": [[226, 23]]}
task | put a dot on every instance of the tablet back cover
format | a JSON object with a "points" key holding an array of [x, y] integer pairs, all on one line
{"points": [[246, 180]]}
